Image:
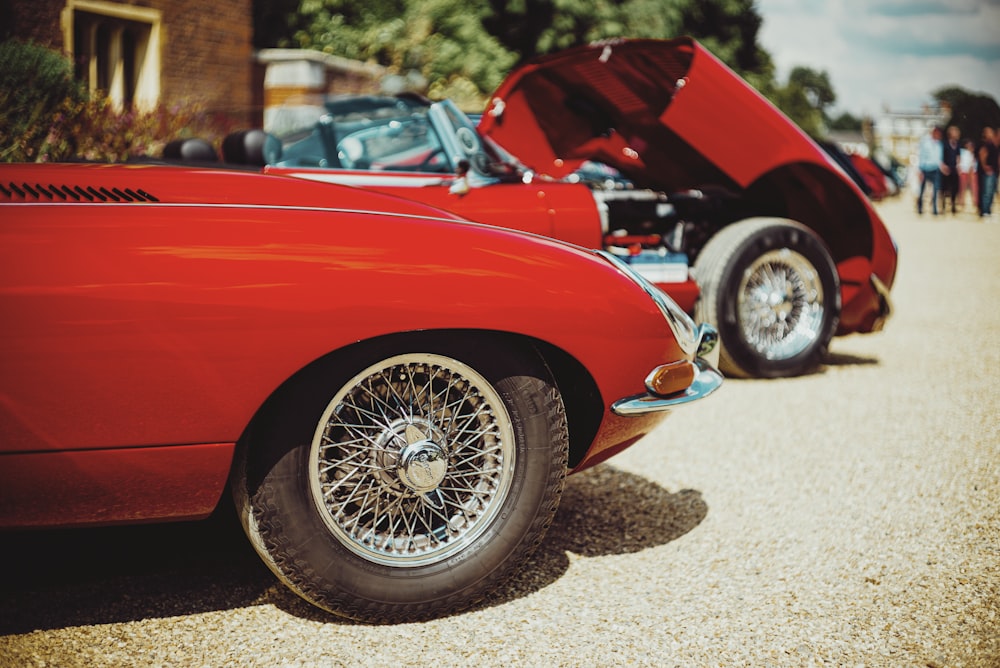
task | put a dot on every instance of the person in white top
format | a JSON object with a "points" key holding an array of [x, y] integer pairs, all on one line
{"points": [[967, 174]]}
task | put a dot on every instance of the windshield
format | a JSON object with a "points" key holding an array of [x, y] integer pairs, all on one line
{"points": [[368, 133], [383, 133]]}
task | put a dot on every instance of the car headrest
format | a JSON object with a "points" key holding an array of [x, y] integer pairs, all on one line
{"points": [[192, 149], [251, 147]]}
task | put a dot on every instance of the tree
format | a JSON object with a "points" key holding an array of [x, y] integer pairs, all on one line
{"points": [[805, 99], [463, 49], [727, 28], [971, 112], [443, 41], [816, 86], [846, 121], [272, 22], [535, 27]]}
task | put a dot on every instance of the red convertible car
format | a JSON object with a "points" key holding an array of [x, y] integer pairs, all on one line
{"points": [[393, 395], [690, 175]]}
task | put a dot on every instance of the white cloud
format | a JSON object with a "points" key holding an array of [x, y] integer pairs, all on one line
{"points": [[893, 53]]}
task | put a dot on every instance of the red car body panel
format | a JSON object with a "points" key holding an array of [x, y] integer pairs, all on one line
{"points": [[108, 486], [563, 211], [145, 324], [873, 175], [671, 116]]}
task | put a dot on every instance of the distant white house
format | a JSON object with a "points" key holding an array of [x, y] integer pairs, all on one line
{"points": [[898, 132]]}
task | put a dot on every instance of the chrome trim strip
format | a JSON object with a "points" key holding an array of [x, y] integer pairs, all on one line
{"points": [[347, 178], [603, 212], [705, 383], [885, 303], [683, 327]]}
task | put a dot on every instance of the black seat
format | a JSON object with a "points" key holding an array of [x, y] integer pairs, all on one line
{"points": [[251, 147], [192, 149]]}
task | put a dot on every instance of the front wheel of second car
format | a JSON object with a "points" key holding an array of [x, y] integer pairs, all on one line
{"points": [[408, 484], [771, 288]]}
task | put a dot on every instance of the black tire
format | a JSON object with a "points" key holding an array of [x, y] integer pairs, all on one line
{"points": [[771, 288], [410, 484]]}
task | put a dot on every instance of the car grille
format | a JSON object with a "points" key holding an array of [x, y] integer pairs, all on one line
{"points": [[52, 192]]}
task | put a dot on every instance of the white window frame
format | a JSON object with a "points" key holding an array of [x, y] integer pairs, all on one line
{"points": [[147, 52]]}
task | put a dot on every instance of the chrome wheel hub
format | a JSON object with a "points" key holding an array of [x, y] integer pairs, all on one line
{"points": [[422, 466]]}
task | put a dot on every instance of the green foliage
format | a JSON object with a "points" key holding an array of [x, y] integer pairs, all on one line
{"points": [[971, 112], [728, 28], [436, 38], [816, 86], [805, 99], [846, 121], [37, 90], [464, 48], [794, 102], [441, 40], [97, 131], [577, 22]]}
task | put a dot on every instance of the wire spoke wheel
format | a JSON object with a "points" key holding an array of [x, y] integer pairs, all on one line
{"points": [[412, 460], [780, 304], [771, 288], [407, 477]]}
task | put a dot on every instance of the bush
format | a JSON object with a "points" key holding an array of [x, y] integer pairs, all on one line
{"points": [[47, 116], [36, 88], [97, 131]]}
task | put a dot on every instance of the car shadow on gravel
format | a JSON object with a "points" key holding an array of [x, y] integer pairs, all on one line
{"points": [[604, 511], [76, 577], [844, 359]]}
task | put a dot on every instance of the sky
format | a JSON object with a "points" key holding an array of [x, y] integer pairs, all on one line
{"points": [[886, 53]]}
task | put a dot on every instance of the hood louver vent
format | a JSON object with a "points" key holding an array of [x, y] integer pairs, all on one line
{"points": [[71, 193]]}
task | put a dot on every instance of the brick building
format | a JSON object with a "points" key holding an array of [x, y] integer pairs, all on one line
{"points": [[147, 52]]}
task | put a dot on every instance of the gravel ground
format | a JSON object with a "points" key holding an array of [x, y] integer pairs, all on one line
{"points": [[846, 518]]}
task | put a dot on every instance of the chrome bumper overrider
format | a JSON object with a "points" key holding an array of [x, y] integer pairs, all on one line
{"points": [[885, 304], [707, 381], [689, 379]]}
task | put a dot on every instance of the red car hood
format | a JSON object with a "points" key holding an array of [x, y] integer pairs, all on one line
{"points": [[666, 113]]}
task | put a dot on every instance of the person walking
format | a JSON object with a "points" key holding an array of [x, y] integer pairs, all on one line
{"points": [[950, 150], [929, 156], [967, 181], [987, 154]]}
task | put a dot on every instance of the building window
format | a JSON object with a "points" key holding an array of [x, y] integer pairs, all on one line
{"points": [[116, 49]]}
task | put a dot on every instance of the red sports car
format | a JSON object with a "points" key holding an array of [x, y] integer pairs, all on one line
{"points": [[393, 394], [688, 168]]}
